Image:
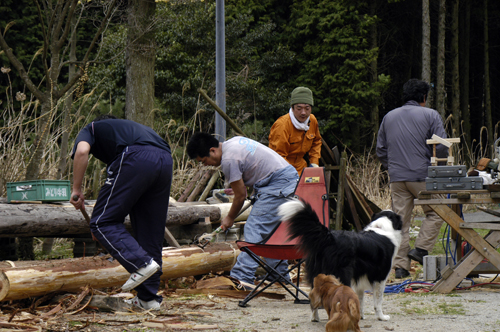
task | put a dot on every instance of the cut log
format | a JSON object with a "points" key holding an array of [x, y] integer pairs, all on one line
{"points": [[223, 208], [43, 277], [51, 220]]}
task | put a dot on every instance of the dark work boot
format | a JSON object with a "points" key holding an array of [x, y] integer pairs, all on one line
{"points": [[401, 273], [418, 254]]}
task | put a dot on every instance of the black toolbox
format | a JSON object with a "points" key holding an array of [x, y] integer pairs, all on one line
{"points": [[454, 183]]}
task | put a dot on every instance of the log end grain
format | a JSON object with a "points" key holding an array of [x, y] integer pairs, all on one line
{"points": [[4, 285]]}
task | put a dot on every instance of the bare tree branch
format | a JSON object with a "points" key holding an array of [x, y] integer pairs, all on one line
{"points": [[20, 68], [98, 33], [85, 60], [45, 40], [61, 9], [69, 18], [54, 12], [73, 31]]}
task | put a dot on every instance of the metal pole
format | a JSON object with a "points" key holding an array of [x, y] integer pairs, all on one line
{"points": [[220, 70]]}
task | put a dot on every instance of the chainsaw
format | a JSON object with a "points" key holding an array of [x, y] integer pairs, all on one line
{"points": [[207, 238]]}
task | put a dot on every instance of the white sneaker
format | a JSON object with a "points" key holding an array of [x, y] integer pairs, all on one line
{"points": [[146, 305], [139, 276]]}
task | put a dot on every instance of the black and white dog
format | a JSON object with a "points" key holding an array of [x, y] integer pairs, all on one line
{"points": [[361, 260]]}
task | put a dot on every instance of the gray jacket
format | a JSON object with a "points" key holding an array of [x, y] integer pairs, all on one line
{"points": [[401, 143]]}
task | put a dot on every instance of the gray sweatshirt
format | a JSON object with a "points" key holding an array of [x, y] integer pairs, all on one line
{"points": [[401, 143]]}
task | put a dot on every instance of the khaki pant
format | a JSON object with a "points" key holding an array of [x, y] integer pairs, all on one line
{"points": [[403, 194]]}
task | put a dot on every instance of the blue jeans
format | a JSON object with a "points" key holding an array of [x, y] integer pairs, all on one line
{"points": [[270, 193]]}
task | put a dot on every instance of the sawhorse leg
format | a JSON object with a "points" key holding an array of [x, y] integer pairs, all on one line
{"points": [[470, 235], [464, 267]]}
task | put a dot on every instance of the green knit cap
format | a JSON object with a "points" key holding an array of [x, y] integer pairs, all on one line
{"points": [[302, 95]]}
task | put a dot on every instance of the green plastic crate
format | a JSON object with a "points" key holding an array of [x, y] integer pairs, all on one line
{"points": [[39, 190]]}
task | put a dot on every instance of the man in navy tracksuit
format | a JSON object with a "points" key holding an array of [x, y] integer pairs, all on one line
{"points": [[139, 175]]}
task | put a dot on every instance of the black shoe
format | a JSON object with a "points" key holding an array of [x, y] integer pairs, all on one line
{"points": [[401, 273], [418, 254]]}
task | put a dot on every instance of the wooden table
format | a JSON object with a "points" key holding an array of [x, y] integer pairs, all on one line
{"points": [[482, 247]]}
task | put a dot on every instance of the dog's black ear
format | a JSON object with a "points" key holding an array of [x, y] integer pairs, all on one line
{"points": [[397, 222], [385, 213]]}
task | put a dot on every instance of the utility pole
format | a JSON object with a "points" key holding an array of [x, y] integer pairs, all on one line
{"points": [[220, 70]]}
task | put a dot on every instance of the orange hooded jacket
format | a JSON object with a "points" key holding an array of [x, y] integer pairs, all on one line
{"points": [[292, 144]]}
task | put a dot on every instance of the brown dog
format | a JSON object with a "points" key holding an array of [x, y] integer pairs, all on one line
{"points": [[340, 302]]}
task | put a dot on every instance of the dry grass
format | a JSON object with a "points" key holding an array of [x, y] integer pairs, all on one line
{"points": [[366, 172], [19, 127]]}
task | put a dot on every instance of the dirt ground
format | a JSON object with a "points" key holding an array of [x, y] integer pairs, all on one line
{"points": [[476, 309]]}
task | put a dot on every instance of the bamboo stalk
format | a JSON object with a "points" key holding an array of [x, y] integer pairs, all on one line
{"points": [[200, 185], [210, 185], [203, 93], [190, 186]]}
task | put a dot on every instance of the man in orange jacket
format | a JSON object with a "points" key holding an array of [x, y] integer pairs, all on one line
{"points": [[296, 134]]}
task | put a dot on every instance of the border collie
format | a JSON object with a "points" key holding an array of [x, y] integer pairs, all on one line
{"points": [[360, 260]]}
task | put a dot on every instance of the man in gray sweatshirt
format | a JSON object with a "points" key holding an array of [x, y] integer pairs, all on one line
{"points": [[402, 149]]}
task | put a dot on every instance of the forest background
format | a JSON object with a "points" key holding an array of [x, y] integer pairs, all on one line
{"points": [[64, 62]]}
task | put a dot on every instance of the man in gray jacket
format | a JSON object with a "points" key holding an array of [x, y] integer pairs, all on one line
{"points": [[402, 149]]}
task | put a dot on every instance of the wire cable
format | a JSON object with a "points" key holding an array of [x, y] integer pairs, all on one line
{"points": [[397, 288]]}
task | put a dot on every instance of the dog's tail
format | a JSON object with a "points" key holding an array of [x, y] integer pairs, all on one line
{"points": [[343, 321], [353, 307], [304, 223]]}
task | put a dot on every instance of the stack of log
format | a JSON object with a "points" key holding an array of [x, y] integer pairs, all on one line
{"points": [[200, 185], [20, 280]]}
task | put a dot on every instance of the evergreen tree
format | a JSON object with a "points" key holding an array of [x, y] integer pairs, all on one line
{"points": [[331, 40]]}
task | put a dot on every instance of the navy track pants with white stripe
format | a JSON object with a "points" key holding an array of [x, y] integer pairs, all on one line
{"points": [[138, 185]]}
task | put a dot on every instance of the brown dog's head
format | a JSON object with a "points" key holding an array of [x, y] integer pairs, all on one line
{"points": [[322, 279], [324, 288]]}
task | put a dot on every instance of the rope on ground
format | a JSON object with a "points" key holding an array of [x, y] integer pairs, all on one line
{"points": [[409, 286]]}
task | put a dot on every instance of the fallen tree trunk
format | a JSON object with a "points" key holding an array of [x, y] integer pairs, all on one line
{"points": [[50, 220], [38, 278]]}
